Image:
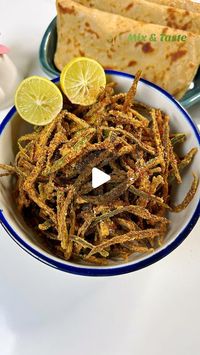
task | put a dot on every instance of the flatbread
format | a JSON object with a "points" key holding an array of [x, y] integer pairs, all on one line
{"points": [[103, 36], [142, 10], [181, 4]]}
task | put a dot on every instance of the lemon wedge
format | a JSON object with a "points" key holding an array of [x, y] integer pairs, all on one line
{"points": [[38, 100], [82, 80]]}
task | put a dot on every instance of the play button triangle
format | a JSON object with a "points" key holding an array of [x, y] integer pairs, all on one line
{"points": [[99, 178]]}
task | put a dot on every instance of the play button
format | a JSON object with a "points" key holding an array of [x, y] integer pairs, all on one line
{"points": [[99, 178]]}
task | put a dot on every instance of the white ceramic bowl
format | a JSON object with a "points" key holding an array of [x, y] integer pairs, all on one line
{"points": [[182, 223]]}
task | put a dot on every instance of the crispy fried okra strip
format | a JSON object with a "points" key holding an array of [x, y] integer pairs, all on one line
{"points": [[77, 150], [188, 198], [135, 210], [120, 239], [62, 211], [131, 93], [148, 197], [159, 146], [183, 163], [10, 170], [28, 186]]}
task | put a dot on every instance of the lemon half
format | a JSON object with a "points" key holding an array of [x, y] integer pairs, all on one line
{"points": [[82, 79], [38, 100]]}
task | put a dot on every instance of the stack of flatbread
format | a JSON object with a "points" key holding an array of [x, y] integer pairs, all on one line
{"points": [[160, 37]]}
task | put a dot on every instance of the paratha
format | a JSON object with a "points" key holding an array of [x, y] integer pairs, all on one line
{"points": [[142, 10], [181, 4], [105, 37]]}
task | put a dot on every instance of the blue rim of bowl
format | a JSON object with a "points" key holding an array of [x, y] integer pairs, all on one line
{"points": [[116, 270]]}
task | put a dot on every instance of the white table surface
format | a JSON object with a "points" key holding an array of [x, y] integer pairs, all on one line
{"points": [[46, 312]]}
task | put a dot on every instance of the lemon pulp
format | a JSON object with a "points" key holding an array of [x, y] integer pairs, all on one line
{"points": [[82, 80], [38, 100]]}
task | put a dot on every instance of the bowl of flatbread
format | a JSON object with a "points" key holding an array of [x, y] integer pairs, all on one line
{"points": [[159, 37]]}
